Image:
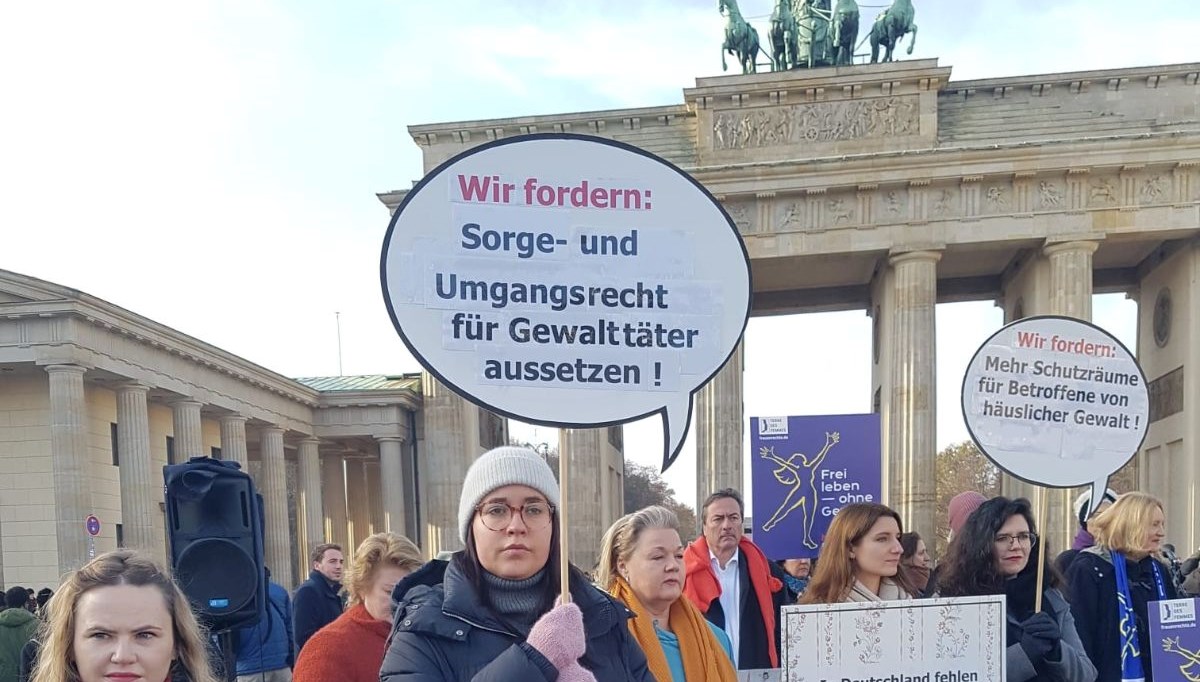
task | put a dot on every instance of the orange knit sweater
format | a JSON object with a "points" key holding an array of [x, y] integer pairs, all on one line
{"points": [[349, 649]]}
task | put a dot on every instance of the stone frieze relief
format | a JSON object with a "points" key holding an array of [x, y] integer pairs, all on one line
{"points": [[816, 122], [840, 208]]}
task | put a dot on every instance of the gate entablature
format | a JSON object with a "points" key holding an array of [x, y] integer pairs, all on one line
{"points": [[831, 112]]}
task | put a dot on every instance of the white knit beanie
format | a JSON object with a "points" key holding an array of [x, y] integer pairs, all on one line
{"points": [[497, 468], [1083, 504]]}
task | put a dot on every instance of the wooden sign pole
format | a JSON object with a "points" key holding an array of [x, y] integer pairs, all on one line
{"points": [[1040, 520], [564, 560]]}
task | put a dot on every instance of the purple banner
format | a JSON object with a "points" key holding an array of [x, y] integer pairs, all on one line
{"points": [[1175, 640], [803, 470]]}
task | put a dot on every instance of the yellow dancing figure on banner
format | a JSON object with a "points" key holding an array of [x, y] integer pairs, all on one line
{"points": [[802, 478], [1190, 669]]}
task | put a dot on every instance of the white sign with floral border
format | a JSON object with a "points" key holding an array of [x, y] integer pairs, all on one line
{"points": [[926, 640]]}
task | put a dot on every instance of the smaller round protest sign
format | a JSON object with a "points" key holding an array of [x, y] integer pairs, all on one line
{"points": [[567, 280], [1056, 401]]}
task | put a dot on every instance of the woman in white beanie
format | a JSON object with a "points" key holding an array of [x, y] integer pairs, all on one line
{"points": [[1083, 538], [489, 612]]}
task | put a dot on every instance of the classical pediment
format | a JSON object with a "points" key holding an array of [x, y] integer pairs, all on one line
{"points": [[17, 288]]}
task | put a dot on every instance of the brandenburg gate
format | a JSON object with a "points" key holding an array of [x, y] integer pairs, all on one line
{"points": [[889, 188]]}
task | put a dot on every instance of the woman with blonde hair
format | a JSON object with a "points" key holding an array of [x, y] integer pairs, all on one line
{"points": [[641, 564], [860, 558], [121, 617], [1111, 583], [351, 648]]}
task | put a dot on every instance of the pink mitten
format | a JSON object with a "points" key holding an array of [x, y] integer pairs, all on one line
{"points": [[575, 673], [559, 636]]}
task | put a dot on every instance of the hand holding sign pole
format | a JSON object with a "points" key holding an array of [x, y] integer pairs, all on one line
{"points": [[1057, 402], [568, 281]]}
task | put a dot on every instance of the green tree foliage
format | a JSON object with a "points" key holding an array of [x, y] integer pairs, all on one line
{"points": [[960, 467], [643, 487]]}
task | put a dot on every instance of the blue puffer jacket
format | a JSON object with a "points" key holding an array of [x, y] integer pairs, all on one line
{"points": [[268, 645], [444, 633]]}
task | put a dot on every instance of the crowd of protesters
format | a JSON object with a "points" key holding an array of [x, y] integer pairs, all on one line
{"points": [[660, 608]]}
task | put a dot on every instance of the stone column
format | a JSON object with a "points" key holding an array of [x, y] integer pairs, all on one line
{"points": [[312, 515], [189, 442], [584, 449], [233, 439], [448, 453], [137, 476], [374, 481], [392, 484], [912, 411], [68, 447], [277, 541], [1070, 296], [719, 413], [358, 503], [333, 495]]}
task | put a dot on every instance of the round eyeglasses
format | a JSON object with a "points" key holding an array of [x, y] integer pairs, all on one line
{"points": [[498, 516]]}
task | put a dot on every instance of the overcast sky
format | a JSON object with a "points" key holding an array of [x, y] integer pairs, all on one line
{"points": [[213, 165]]}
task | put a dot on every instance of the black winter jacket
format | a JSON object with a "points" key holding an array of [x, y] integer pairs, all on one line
{"points": [[1092, 588], [444, 633], [315, 605]]}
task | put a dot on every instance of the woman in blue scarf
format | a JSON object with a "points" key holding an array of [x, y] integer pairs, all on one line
{"points": [[1111, 582]]}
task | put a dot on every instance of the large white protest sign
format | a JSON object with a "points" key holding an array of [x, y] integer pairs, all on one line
{"points": [[1056, 401], [927, 640], [567, 280]]}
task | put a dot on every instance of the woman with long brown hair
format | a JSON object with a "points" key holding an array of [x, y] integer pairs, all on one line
{"points": [[860, 558], [121, 617]]}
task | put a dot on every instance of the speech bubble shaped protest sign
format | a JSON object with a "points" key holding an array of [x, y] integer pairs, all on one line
{"points": [[568, 280], [1056, 401]]}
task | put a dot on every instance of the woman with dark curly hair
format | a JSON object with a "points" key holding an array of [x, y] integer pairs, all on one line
{"points": [[996, 552]]}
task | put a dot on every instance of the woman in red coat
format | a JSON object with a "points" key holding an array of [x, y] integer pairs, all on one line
{"points": [[351, 648]]}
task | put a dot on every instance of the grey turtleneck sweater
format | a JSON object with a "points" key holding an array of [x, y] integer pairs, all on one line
{"points": [[516, 601]]}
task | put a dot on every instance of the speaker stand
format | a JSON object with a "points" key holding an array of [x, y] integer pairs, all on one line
{"points": [[225, 639]]}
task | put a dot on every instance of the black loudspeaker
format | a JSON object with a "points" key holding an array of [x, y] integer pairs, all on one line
{"points": [[215, 527]]}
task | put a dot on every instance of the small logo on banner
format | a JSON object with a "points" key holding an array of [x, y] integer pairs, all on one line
{"points": [[773, 426], [1177, 611]]}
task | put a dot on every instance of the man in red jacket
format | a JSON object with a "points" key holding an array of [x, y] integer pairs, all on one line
{"points": [[733, 584]]}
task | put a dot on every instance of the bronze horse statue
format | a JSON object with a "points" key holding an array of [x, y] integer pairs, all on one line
{"points": [[741, 39], [890, 27], [845, 31], [785, 43]]}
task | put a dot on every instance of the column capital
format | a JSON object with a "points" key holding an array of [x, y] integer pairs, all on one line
{"points": [[1085, 246], [390, 439], [231, 418], [271, 428], [63, 369], [131, 386], [185, 402], [929, 255]]}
